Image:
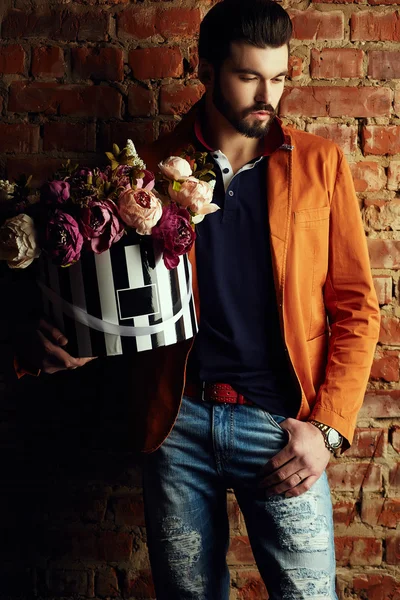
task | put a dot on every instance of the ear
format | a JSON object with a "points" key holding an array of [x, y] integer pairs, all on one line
{"points": [[206, 73]]}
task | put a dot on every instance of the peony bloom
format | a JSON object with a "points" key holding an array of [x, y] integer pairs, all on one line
{"points": [[147, 182], [100, 225], [63, 240], [7, 190], [175, 232], [139, 209], [55, 192], [175, 168], [195, 195], [18, 242]]}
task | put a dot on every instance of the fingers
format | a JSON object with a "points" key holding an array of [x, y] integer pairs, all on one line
{"points": [[302, 487], [50, 331], [56, 359]]}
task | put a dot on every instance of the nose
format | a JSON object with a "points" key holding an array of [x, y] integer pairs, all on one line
{"points": [[263, 92]]}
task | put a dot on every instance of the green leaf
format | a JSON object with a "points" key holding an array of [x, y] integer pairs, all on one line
{"points": [[176, 186], [110, 156], [116, 149]]}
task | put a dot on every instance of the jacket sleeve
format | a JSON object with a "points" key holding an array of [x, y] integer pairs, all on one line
{"points": [[353, 312]]}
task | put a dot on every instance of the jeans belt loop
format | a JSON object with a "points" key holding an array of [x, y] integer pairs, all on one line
{"points": [[203, 390]]}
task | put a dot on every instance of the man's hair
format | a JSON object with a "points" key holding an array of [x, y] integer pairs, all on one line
{"points": [[260, 23]]}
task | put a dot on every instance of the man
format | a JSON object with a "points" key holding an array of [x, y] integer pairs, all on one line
{"points": [[289, 320]]}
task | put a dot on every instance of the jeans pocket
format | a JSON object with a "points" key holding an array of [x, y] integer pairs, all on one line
{"points": [[275, 420]]}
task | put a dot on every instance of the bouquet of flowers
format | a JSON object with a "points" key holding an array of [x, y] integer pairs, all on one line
{"points": [[113, 243], [84, 209]]}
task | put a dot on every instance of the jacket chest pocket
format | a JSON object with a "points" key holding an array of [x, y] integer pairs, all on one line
{"points": [[311, 218]]}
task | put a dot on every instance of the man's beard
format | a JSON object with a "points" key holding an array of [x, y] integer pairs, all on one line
{"points": [[250, 130]]}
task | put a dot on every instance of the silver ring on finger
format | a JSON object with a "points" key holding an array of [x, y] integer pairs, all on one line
{"points": [[300, 479]]}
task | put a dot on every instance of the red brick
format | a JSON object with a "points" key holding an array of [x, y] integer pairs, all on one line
{"points": [[56, 25], [394, 175], [397, 102], [368, 176], [106, 546], [383, 288], [357, 551], [393, 549], [69, 137], [70, 582], [167, 127], [139, 584], [12, 60], [240, 552], [156, 63], [396, 438], [344, 512], [48, 61], [384, 404], [343, 135], [144, 22], [295, 66], [177, 98], [140, 132], [386, 365], [380, 511], [369, 26], [19, 137], [141, 101], [381, 139], [106, 583], [384, 64], [368, 443], [390, 330], [78, 100], [382, 215], [178, 22], [338, 1], [384, 254], [193, 61], [98, 63], [250, 586], [234, 513], [317, 25], [351, 477], [328, 101], [376, 587], [128, 510], [394, 476], [331, 63]]}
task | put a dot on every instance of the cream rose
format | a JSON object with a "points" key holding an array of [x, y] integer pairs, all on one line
{"points": [[18, 242], [195, 195], [175, 168], [140, 209]]}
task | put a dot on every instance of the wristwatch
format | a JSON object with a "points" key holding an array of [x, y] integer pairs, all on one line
{"points": [[333, 439]]}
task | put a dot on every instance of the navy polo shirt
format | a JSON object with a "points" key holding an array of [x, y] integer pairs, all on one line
{"points": [[239, 340]]}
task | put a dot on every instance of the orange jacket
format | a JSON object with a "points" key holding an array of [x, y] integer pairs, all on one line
{"points": [[327, 304]]}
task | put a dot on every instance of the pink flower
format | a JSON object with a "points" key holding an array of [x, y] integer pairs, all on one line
{"points": [[63, 240], [100, 225], [195, 195], [147, 182], [176, 168], [55, 192], [176, 233], [139, 209]]}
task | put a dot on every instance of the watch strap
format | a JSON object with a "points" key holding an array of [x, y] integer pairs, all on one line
{"points": [[324, 429]]}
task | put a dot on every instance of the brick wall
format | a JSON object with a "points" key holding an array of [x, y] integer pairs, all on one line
{"points": [[76, 76]]}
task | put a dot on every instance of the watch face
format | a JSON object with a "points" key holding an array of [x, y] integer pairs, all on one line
{"points": [[334, 438]]}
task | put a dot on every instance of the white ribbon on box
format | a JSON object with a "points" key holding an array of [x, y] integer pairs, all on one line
{"points": [[82, 316]]}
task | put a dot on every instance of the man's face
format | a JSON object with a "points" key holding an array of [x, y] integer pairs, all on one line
{"points": [[249, 86]]}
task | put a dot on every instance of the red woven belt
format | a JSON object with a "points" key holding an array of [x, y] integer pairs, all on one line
{"points": [[215, 392]]}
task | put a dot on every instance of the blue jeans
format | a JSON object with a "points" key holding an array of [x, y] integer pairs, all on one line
{"points": [[213, 447]]}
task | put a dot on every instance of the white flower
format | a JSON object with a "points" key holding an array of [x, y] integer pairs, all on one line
{"points": [[18, 242], [6, 190], [175, 168], [137, 161]]}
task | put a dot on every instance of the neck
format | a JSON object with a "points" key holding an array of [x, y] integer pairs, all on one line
{"points": [[221, 135]]}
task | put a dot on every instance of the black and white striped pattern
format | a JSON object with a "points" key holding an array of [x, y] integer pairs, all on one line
{"points": [[127, 285]]}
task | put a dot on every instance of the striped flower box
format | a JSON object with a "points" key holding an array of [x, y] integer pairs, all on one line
{"points": [[120, 301]]}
